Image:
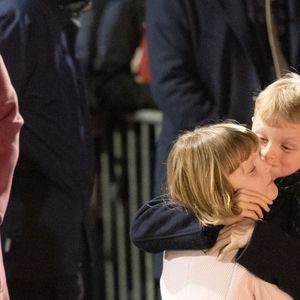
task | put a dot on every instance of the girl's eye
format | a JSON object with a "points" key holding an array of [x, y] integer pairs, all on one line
{"points": [[262, 140], [252, 170]]}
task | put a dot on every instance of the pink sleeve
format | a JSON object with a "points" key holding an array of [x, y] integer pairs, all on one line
{"points": [[10, 125]]}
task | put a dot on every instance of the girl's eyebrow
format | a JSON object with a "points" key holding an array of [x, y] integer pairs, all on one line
{"points": [[249, 164], [246, 166]]}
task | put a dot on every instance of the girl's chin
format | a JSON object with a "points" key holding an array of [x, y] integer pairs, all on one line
{"points": [[274, 192]]}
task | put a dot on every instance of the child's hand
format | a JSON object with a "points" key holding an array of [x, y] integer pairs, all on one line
{"points": [[232, 237], [251, 205]]}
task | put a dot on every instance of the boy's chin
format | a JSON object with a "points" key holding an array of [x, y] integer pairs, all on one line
{"points": [[279, 174]]}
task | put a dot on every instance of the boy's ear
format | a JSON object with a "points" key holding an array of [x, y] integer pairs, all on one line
{"points": [[252, 119]]}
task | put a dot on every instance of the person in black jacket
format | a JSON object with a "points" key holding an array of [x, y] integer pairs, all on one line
{"points": [[116, 80], [43, 229]]}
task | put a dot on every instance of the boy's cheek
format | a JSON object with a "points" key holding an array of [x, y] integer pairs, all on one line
{"points": [[283, 171], [292, 166], [275, 174], [278, 171]]}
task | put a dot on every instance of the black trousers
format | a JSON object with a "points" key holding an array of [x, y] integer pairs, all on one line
{"points": [[60, 288]]}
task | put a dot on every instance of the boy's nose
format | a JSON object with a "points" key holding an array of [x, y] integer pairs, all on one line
{"points": [[268, 152]]}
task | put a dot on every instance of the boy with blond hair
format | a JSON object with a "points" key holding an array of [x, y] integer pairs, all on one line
{"points": [[272, 252], [276, 122]]}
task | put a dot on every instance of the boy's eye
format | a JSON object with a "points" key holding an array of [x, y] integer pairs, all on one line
{"points": [[287, 147]]}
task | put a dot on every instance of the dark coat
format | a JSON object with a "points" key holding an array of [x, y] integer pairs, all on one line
{"points": [[115, 82], [205, 64], [54, 174]]}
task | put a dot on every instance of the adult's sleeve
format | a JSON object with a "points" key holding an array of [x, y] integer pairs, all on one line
{"points": [[14, 35], [176, 86], [273, 255], [114, 81], [158, 226], [10, 125]]}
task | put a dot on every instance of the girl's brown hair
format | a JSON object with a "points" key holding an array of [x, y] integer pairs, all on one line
{"points": [[199, 165]]}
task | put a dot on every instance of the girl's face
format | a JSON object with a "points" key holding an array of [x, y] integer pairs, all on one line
{"points": [[254, 174]]}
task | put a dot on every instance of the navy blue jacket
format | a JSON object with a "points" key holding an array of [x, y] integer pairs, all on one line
{"points": [[54, 173]]}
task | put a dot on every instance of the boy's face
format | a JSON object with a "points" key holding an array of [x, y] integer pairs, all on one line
{"points": [[280, 146]]}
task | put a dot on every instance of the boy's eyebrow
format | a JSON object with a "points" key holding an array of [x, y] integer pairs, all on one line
{"points": [[292, 138]]}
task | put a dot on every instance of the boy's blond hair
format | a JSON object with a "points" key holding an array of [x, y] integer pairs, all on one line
{"points": [[199, 165], [280, 101]]}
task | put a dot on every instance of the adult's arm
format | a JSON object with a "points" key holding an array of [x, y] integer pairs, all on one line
{"points": [[176, 85], [13, 43], [24, 45], [114, 81], [159, 226], [10, 125]]}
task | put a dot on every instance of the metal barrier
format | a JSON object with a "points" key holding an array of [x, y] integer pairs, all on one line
{"points": [[126, 179]]}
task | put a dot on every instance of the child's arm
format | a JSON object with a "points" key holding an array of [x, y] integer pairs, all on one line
{"points": [[159, 226], [10, 124]]}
